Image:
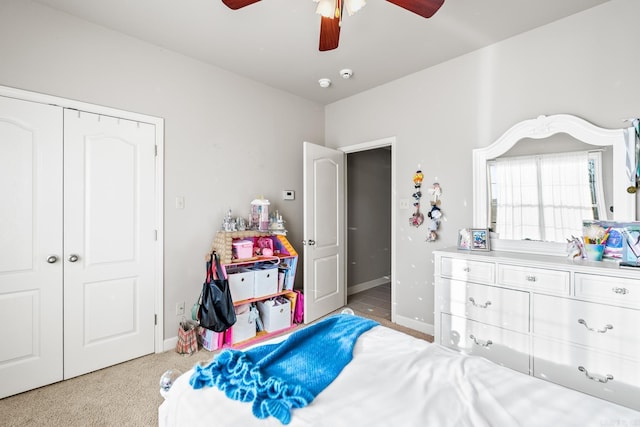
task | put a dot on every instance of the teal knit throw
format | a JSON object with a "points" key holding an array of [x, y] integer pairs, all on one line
{"points": [[277, 378]]}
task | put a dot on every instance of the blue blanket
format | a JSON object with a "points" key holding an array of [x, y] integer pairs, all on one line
{"points": [[280, 377]]}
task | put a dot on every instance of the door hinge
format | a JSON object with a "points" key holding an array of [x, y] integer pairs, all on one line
{"points": [[156, 150], [155, 319], [155, 235]]}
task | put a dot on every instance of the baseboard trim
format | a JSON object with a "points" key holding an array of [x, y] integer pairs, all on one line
{"points": [[414, 324], [361, 287], [170, 344]]}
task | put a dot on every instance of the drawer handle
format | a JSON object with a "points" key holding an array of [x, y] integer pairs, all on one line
{"points": [[621, 291], [594, 378], [478, 342], [600, 331], [466, 269], [531, 278], [485, 305]]}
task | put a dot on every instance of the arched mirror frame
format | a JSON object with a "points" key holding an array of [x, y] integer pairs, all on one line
{"points": [[621, 140]]}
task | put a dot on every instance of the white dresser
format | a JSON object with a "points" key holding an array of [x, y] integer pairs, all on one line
{"points": [[575, 323]]}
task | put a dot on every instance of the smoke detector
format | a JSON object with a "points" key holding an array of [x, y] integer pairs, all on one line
{"points": [[346, 73], [324, 83]]}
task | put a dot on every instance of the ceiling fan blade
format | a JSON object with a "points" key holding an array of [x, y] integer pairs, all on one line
{"points": [[237, 4], [424, 8], [329, 33]]}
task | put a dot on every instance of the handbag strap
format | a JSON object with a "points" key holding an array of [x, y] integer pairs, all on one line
{"points": [[218, 273], [209, 273]]}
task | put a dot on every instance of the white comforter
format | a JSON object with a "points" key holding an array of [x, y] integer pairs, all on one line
{"points": [[397, 380]]}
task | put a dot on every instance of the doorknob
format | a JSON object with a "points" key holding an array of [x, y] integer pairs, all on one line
{"points": [[311, 242], [73, 258], [51, 259]]}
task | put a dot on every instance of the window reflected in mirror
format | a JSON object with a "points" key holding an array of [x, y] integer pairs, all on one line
{"points": [[546, 197]]}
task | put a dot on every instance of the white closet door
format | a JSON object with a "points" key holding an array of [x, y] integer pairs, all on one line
{"points": [[30, 245], [109, 240]]}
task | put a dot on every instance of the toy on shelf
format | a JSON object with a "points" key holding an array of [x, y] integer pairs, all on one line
{"points": [[259, 218], [229, 223], [276, 224]]}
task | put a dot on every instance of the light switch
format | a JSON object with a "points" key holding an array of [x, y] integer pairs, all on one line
{"points": [[288, 195], [180, 202]]}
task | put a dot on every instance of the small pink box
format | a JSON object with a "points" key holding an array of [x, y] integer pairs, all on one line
{"points": [[210, 340], [242, 249]]}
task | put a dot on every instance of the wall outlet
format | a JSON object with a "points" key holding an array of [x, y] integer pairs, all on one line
{"points": [[180, 309]]}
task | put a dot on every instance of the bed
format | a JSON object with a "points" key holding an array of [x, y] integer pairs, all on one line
{"points": [[397, 380]]}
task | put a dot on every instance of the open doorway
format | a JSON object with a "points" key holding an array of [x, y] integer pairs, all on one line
{"points": [[369, 231]]}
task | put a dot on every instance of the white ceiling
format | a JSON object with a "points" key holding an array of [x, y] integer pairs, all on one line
{"points": [[276, 41]]}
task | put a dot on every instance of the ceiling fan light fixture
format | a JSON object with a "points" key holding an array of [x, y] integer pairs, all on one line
{"points": [[331, 8], [353, 6], [326, 8]]}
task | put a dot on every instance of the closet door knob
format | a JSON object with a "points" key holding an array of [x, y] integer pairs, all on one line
{"points": [[73, 258], [51, 259]]}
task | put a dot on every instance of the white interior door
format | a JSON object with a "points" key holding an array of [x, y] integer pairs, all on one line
{"points": [[109, 241], [30, 245], [324, 212]]}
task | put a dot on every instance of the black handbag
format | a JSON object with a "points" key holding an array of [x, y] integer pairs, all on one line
{"points": [[216, 311]]}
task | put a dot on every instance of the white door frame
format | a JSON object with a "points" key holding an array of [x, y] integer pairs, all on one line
{"points": [[159, 191], [365, 146]]}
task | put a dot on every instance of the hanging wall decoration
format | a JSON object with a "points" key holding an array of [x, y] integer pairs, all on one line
{"points": [[435, 214], [417, 218]]}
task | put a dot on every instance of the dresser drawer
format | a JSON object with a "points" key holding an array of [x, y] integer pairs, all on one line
{"points": [[604, 327], [472, 271], [535, 279], [504, 347], [600, 374], [495, 306], [608, 289]]}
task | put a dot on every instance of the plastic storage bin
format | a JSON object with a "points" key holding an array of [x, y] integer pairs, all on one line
{"points": [[275, 314], [242, 249]]}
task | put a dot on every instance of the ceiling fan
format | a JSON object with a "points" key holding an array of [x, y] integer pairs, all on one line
{"points": [[331, 11]]}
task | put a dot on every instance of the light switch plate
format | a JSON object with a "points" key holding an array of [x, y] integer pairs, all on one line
{"points": [[288, 195]]}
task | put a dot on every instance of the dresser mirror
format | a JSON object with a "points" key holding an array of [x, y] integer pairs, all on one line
{"points": [[550, 140]]}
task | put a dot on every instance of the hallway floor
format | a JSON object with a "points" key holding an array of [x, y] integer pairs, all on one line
{"points": [[375, 301]]}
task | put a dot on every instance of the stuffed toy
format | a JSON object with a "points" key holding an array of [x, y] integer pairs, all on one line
{"points": [[435, 215]]}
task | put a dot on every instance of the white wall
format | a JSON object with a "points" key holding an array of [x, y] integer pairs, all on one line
{"points": [[227, 139], [224, 133], [586, 65]]}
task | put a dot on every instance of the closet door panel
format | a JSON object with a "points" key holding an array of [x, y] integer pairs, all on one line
{"points": [[109, 241], [30, 245]]}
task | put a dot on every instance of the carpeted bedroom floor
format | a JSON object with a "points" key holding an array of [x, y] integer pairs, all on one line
{"points": [[122, 395]]}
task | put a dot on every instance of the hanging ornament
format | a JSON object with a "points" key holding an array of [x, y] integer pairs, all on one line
{"points": [[417, 218], [435, 215]]}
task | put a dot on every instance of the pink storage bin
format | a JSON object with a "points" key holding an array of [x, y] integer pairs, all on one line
{"points": [[242, 249]]}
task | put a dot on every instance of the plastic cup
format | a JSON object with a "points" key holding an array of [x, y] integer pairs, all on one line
{"points": [[594, 252]]}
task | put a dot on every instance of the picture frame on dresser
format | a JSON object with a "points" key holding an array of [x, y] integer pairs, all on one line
{"points": [[464, 239], [480, 239]]}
